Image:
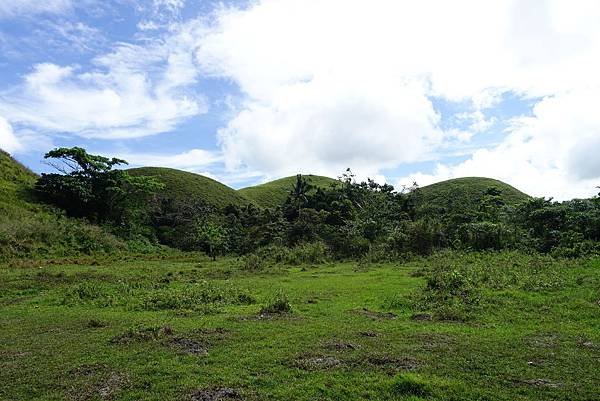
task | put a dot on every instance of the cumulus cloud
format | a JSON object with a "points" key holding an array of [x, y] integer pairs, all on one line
{"points": [[193, 160], [348, 83], [132, 91], [13, 8], [8, 140], [551, 153]]}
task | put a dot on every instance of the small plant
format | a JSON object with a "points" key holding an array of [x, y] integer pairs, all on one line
{"points": [[277, 305], [411, 385], [253, 263]]}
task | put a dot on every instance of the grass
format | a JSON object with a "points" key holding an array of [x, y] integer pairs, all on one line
{"points": [[274, 193], [188, 328], [465, 193], [183, 185], [30, 230]]}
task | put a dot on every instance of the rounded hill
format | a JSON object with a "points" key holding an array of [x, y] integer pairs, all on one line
{"points": [[181, 185], [274, 193], [466, 194]]}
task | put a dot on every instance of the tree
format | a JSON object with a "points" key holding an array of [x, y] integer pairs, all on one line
{"points": [[213, 237], [88, 186], [299, 192]]}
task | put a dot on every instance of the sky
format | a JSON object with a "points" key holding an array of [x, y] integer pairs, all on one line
{"points": [[248, 91]]}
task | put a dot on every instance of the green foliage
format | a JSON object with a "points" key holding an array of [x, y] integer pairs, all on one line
{"points": [[30, 230], [410, 384], [275, 193], [278, 304], [89, 187]]}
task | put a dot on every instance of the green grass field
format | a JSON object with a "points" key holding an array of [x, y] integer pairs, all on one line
{"points": [[186, 328]]}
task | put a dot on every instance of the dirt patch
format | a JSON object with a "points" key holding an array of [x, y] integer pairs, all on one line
{"points": [[316, 362], [374, 314], [368, 333], [544, 340], [338, 345], [218, 394], [143, 334], [188, 346], [421, 317], [540, 383], [431, 341], [95, 381]]}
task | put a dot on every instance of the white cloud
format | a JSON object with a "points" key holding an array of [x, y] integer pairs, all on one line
{"points": [[552, 153], [192, 160], [14, 8], [330, 84], [133, 91], [8, 140]]}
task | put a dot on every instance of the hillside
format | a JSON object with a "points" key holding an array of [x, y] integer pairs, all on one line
{"points": [[274, 193], [29, 229], [185, 185], [16, 182], [465, 194]]}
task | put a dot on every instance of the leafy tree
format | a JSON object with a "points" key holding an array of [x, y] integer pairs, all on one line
{"points": [[89, 186], [213, 237]]}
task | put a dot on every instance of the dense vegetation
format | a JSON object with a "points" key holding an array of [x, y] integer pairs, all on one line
{"points": [[30, 229], [274, 193], [319, 217], [463, 290]]}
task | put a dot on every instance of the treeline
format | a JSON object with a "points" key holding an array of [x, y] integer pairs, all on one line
{"points": [[346, 220]]}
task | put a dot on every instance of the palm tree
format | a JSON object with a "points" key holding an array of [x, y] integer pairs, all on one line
{"points": [[300, 190]]}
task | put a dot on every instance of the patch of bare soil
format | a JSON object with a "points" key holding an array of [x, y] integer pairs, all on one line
{"points": [[188, 346], [421, 317], [143, 334], [544, 340], [316, 362], [433, 341], [540, 383], [368, 333], [374, 314], [95, 381], [218, 394], [339, 345]]}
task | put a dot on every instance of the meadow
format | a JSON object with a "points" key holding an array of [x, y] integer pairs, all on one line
{"points": [[450, 326]]}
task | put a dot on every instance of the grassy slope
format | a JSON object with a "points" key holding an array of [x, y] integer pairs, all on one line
{"points": [[185, 185], [29, 229], [464, 193], [16, 182], [274, 193], [530, 341]]}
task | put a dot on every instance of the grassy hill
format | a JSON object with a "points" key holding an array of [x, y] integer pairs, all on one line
{"points": [[465, 193], [185, 185], [29, 229], [274, 193], [16, 182]]}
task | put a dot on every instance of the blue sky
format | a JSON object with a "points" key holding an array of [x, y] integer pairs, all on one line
{"points": [[246, 91]]}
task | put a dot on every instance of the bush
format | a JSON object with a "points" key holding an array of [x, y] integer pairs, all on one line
{"points": [[311, 253], [277, 305], [410, 384], [253, 262], [480, 236]]}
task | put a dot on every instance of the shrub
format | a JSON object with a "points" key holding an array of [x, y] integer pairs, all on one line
{"points": [[410, 384], [311, 253], [253, 262], [277, 305]]}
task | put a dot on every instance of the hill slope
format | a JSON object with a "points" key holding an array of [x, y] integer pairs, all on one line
{"points": [[465, 194], [274, 193], [185, 185], [29, 229]]}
